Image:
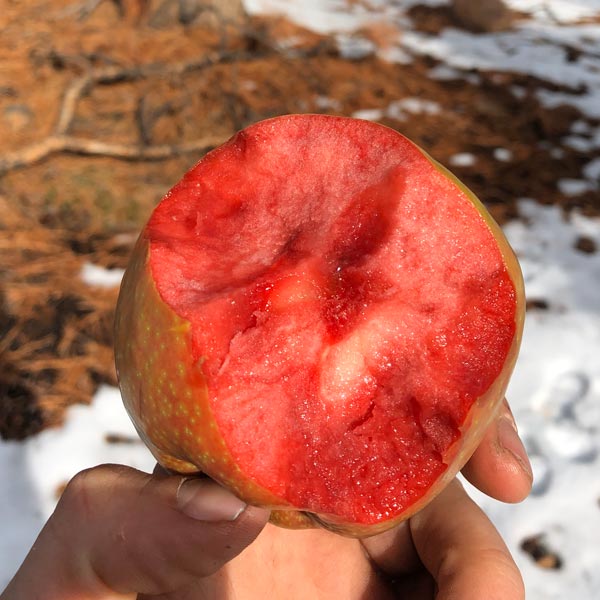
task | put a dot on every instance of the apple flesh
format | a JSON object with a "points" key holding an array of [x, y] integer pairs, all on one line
{"points": [[321, 318]]}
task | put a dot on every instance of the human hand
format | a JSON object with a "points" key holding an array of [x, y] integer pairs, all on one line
{"points": [[117, 533]]}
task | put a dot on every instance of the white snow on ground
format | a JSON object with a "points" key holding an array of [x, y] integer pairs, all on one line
{"points": [[503, 154], [555, 395], [574, 187], [559, 11], [540, 46], [462, 159], [34, 471], [534, 48], [555, 391], [322, 16], [592, 171], [400, 109], [101, 277]]}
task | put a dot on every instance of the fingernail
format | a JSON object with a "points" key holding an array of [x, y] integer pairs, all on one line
{"points": [[509, 440], [205, 500]]}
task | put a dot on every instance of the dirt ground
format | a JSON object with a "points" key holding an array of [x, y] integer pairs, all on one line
{"points": [[104, 105]]}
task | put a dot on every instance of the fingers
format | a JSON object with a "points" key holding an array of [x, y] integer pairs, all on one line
{"points": [[462, 550], [452, 538], [500, 467], [119, 531]]}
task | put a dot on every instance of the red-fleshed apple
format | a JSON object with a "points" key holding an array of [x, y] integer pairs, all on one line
{"points": [[323, 319]]}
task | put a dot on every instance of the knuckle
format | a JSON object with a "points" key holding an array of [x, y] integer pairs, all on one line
{"points": [[495, 572], [505, 570], [88, 488]]}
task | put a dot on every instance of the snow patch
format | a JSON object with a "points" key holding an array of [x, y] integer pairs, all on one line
{"points": [[573, 187], [503, 154], [462, 159], [592, 171], [400, 110], [101, 277], [354, 47], [36, 470]]}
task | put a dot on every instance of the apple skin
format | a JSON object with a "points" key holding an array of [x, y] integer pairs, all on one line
{"points": [[166, 395]]}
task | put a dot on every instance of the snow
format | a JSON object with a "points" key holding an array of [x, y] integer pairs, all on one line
{"points": [[101, 277], [322, 16], [503, 154], [537, 49], [82, 439], [582, 144], [560, 11], [35, 470], [369, 114], [463, 159], [540, 45], [400, 109], [573, 187], [443, 72], [592, 170], [354, 47], [555, 390], [325, 102]]}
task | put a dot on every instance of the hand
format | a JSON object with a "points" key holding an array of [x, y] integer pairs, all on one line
{"points": [[117, 533]]}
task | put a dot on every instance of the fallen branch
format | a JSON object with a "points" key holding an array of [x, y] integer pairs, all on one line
{"points": [[60, 142], [86, 147]]}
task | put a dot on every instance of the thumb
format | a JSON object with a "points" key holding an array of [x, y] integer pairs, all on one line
{"points": [[118, 532]]}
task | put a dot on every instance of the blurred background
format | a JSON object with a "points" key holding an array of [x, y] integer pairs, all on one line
{"points": [[104, 104]]}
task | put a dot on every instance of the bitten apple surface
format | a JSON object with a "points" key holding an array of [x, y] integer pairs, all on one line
{"points": [[323, 319]]}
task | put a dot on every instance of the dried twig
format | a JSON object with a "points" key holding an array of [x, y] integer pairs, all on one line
{"points": [[60, 142], [74, 145]]}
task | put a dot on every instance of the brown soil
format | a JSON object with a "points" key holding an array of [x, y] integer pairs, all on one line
{"points": [[102, 111]]}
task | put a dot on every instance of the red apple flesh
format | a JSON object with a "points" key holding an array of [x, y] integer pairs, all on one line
{"points": [[323, 319]]}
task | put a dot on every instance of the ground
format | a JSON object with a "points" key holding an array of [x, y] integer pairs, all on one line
{"points": [[102, 112]]}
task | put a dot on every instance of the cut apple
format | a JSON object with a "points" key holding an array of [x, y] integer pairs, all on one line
{"points": [[323, 319]]}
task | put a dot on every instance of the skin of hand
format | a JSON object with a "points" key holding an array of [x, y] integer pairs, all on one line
{"points": [[121, 534]]}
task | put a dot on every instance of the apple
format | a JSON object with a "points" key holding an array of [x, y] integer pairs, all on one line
{"points": [[323, 319]]}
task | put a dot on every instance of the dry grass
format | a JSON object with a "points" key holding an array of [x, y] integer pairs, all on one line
{"points": [[56, 330]]}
